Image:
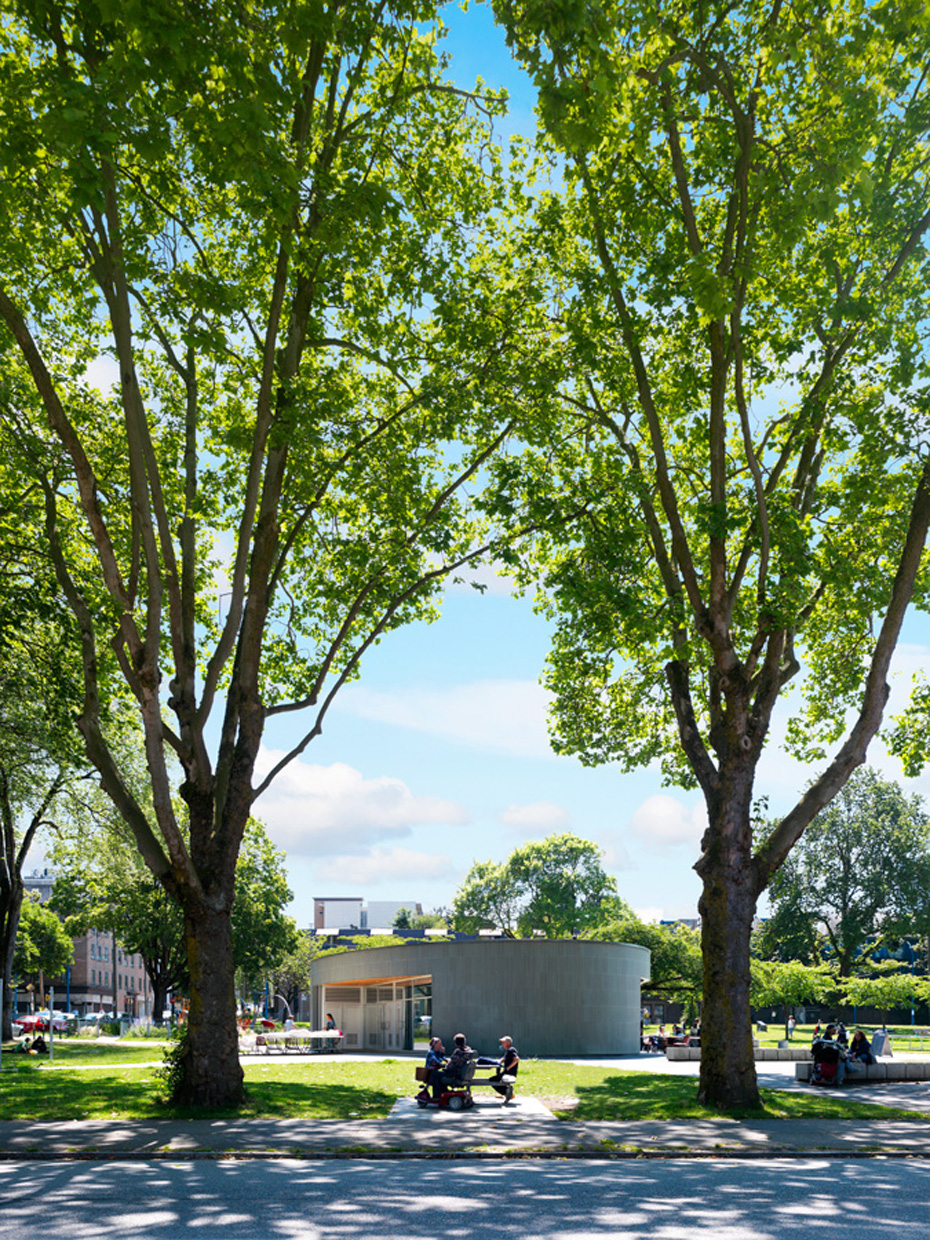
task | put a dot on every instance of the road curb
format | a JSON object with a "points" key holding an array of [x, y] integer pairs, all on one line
{"points": [[510, 1155]]}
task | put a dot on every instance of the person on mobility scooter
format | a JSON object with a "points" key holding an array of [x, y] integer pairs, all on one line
{"points": [[450, 1083]]}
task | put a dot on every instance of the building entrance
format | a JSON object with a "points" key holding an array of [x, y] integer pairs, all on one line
{"points": [[386, 1015]]}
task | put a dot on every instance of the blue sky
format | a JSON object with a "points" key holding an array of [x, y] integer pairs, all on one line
{"points": [[438, 756]]}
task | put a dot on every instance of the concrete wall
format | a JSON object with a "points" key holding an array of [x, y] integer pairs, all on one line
{"points": [[554, 997]]}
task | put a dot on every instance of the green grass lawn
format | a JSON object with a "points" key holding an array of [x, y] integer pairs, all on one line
{"points": [[642, 1096], [902, 1036], [81, 1052], [341, 1089]]}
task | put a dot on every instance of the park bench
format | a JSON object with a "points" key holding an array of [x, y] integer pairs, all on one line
{"points": [[895, 1070], [760, 1053]]}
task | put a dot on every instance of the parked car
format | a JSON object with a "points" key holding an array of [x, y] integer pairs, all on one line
{"points": [[28, 1022], [59, 1022]]}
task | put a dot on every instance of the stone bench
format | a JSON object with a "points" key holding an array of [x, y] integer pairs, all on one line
{"points": [[894, 1070], [764, 1054]]}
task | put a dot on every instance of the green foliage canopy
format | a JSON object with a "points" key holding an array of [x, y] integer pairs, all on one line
{"points": [[861, 869], [103, 884], [42, 943], [278, 224], [557, 886], [676, 969], [739, 261]]}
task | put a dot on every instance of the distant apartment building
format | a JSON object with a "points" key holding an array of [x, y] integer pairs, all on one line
{"points": [[337, 912], [101, 978]]}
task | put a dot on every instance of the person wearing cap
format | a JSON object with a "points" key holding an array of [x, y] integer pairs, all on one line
{"points": [[508, 1065]]}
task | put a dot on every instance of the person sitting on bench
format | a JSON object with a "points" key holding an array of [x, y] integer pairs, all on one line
{"points": [[435, 1060], [509, 1065], [455, 1070], [829, 1057]]}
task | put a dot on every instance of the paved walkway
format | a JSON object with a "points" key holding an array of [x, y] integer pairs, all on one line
{"points": [[489, 1129]]}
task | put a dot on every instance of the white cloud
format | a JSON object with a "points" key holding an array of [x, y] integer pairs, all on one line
{"points": [[335, 810], [385, 866], [616, 854], [494, 577], [651, 915], [539, 817], [504, 716], [662, 822]]}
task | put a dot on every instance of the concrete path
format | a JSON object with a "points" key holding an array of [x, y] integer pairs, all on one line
{"points": [[476, 1133]]}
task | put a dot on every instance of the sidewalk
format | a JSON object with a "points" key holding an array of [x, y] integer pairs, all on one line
{"points": [[488, 1130]]}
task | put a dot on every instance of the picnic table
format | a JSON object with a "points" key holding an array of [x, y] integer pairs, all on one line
{"points": [[303, 1041]]}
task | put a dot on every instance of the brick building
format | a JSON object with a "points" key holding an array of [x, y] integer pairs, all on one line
{"points": [[102, 977]]}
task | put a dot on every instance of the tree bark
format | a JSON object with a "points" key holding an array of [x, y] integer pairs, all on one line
{"points": [[9, 924], [212, 1075], [727, 906]]}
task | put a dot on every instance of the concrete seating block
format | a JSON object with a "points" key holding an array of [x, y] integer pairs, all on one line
{"points": [[895, 1071], [917, 1071]]}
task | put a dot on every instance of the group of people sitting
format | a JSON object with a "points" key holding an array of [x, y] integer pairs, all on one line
{"points": [[444, 1071], [660, 1040], [834, 1054], [35, 1046]]}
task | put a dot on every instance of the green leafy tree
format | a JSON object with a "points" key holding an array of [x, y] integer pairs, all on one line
{"points": [[429, 921], [676, 968], [402, 919], [738, 258], [262, 932], [43, 947], [790, 932], [271, 223], [292, 974], [557, 885], [102, 884], [487, 900], [41, 767], [785, 983], [887, 991], [859, 870]]}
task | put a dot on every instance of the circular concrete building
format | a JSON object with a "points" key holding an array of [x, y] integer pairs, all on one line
{"points": [[553, 996]]}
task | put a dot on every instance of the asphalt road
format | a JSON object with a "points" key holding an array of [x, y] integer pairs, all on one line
{"points": [[873, 1199]]}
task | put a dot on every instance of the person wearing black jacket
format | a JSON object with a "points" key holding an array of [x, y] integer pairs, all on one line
{"points": [[509, 1065], [454, 1071]]}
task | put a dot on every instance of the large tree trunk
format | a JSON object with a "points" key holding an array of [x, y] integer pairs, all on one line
{"points": [[212, 1075], [727, 907], [159, 998], [9, 924]]}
